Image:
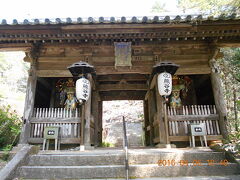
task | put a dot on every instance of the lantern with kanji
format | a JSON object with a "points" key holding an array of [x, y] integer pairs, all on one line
{"points": [[164, 71], [83, 89], [164, 84]]}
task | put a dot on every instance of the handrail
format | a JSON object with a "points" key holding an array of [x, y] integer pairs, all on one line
{"points": [[125, 144]]}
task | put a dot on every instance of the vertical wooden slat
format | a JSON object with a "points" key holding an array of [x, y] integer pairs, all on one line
{"points": [[218, 130], [35, 130], [173, 128], [214, 109], [199, 109], [52, 110], [196, 110], [186, 110], [170, 127], [37, 114], [192, 110], [58, 113], [176, 126], [204, 110], [174, 111], [211, 126], [183, 110], [207, 127], [208, 110], [45, 112], [186, 127], [63, 115], [40, 112]]}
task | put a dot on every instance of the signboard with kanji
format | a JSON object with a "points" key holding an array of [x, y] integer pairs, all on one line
{"points": [[123, 55]]}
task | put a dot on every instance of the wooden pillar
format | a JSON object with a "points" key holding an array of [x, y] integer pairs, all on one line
{"points": [[146, 122], [151, 111], [160, 118], [95, 103], [219, 99], [87, 110], [82, 126], [100, 128], [29, 103]]}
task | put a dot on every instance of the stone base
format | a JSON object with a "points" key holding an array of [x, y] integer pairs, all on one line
{"points": [[83, 147], [165, 146]]}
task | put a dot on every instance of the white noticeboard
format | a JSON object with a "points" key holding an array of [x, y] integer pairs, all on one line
{"points": [[83, 88], [164, 84]]}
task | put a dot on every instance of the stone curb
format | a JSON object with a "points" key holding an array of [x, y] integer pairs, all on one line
{"points": [[8, 172]]}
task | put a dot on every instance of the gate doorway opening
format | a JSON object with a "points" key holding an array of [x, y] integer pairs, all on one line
{"points": [[113, 111]]}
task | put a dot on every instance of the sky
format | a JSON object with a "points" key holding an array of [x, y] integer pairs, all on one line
{"points": [[30, 9]]}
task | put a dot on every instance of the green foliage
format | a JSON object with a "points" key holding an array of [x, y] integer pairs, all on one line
{"points": [[10, 127], [107, 144], [6, 150], [159, 7], [234, 137], [229, 67], [231, 62], [212, 7]]}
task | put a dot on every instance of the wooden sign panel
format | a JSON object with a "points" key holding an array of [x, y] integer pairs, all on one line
{"points": [[123, 54]]}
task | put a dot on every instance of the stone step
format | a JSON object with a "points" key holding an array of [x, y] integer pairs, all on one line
{"points": [[118, 159], [118, 171], [225, 177]]}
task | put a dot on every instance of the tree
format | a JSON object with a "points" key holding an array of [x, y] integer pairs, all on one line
{"points": [[159, 7], [229, 67], [211, 7]]}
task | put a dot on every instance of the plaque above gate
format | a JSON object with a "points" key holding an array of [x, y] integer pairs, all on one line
{"points": [[123, 54]]}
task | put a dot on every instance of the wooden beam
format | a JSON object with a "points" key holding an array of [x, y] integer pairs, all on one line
{"points": [[203, 69], [114, 87], [119, 77], [193, 117], [100, 60], [126, 27], [122, 95], [186, 138], [15, 47], [63, 140]]}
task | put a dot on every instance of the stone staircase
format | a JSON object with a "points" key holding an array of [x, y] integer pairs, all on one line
{"points": [[143, 163]]}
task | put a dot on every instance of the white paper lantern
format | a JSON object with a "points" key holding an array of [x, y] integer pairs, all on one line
{"points": [[164, 84], [83, 89]]}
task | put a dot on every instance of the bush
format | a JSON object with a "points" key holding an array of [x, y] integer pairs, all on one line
{"points": [[10, 127], [107, 144]]}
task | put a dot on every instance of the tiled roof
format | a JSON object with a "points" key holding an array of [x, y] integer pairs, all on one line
{"points": [[121, 20]]}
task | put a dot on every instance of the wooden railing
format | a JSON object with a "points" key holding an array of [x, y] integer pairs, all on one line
{"points": [[192, 110], [55, 113], [70, 129], [178, 119], [68, 121]]}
